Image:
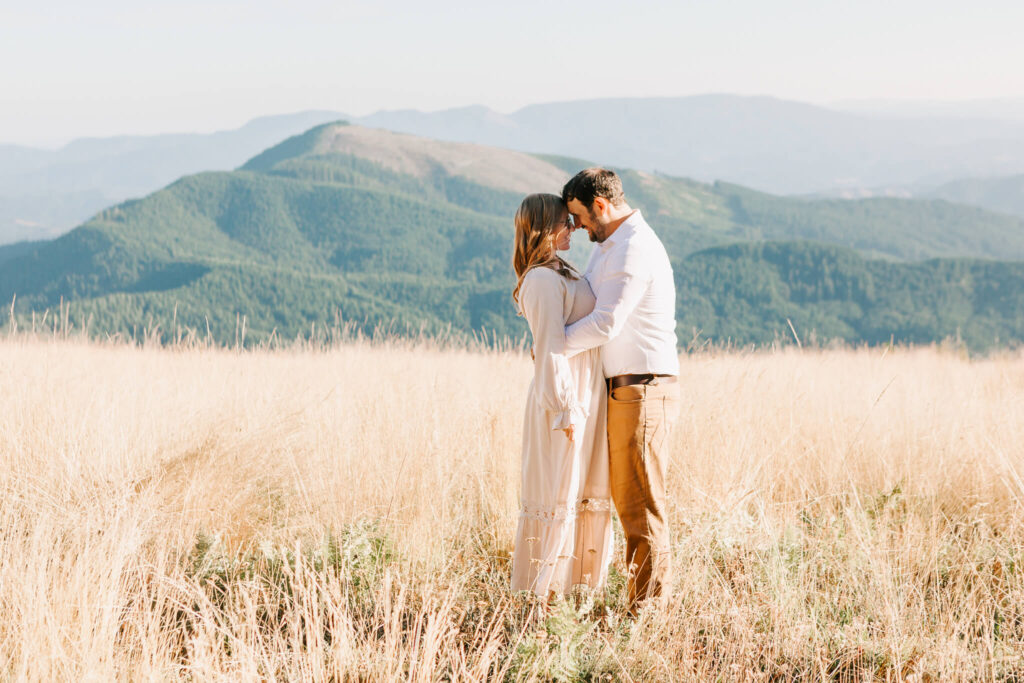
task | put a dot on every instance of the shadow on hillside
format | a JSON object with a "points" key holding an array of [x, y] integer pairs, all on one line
{"points": [[167, 276]]}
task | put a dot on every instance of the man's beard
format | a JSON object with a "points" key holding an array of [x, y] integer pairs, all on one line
{"points": [[596, 234]]}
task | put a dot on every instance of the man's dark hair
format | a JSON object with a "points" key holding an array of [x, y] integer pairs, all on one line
{"points": [[594, 182]]}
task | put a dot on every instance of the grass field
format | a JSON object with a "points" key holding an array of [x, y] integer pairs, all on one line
{"points": [[348, 514]]}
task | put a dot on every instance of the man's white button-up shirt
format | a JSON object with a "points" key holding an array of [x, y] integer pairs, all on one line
{"points": [[634, 319]]}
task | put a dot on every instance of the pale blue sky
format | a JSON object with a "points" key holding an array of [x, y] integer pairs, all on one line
{"points": [[146, 66]]}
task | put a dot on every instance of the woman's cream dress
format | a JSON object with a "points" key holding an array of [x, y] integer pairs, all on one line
{"points": [[565, 533]]}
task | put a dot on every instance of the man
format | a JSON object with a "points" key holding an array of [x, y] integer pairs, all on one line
{"points": [[634, 324]]}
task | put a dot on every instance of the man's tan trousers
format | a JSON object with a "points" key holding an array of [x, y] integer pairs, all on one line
{"points": [[640, 421]]}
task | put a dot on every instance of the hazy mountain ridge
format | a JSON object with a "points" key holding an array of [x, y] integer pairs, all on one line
{"points": [[761, 142], [1002, 194], [43, 192], [987, 109]]}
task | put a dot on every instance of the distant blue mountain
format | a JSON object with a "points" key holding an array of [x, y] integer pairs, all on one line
{"points": [[765, 143], [44, 193], [1004, 194]]}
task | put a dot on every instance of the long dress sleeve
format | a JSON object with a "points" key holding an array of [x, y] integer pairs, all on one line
{"points": [[541, 299]]}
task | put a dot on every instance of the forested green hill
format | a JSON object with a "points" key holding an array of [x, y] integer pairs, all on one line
{"points": [[379, 229], [750, 293]]}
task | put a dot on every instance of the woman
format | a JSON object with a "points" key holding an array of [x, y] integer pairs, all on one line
{"points": [[564, 536]]}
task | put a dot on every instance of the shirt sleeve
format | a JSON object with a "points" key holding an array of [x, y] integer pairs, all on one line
{"points": [[618, 292], [541, 301]]}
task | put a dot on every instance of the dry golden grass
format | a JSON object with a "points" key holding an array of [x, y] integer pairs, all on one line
{"points": [[348, 514]]}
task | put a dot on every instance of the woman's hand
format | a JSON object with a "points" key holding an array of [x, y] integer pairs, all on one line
{"points": [[569, 432]]}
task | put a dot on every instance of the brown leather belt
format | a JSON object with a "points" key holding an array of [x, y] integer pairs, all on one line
{"points": [[624, 380]]}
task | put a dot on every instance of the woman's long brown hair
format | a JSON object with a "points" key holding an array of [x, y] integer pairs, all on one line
{"points": [[538, 219]]}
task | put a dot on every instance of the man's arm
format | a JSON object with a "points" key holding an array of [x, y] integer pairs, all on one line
{"points": [[618, 294]]}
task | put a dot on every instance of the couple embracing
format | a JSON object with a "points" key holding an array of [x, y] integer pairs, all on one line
{"points": [[604, 395]]}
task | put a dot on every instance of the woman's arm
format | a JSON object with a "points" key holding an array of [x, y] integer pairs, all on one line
{"points": [[541, 299]]}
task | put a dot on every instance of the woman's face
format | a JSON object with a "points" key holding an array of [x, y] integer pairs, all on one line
{"points": [[563, 233]]}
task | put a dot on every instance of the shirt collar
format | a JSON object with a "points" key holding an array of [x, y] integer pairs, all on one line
{"points": [[625, 229]]}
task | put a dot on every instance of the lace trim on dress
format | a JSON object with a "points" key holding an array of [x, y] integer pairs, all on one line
{"points": [[574, 415], [564, 513]]}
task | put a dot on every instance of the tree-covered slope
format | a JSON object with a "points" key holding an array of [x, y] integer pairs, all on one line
{"points": [[689, 214], [388, 230], [694, 216], [272, 248], [750, 293]]}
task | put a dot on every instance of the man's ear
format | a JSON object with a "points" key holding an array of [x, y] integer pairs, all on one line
{"points": [[600, 206]]}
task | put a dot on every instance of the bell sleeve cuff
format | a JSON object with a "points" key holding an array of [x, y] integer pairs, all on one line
{"points": [[575, 416]]}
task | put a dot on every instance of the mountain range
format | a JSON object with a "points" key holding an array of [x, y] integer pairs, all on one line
{"points": [[45, 193], [1002, 194], [984, 109], [768, 144], [374, 228]]}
